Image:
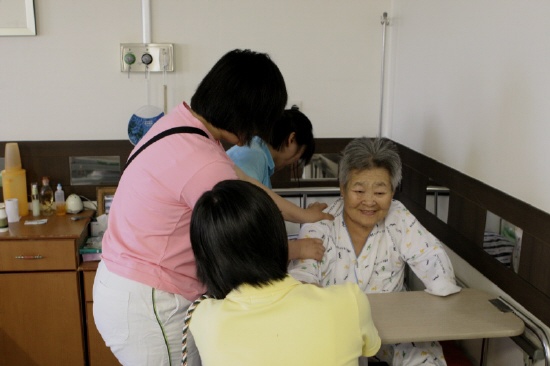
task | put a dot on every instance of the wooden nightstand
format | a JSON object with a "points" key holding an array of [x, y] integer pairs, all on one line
{"points": [[41, 320]]}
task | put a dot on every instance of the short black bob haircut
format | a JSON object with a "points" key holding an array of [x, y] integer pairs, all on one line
{"points": [[238, 237], [293, 120], [244, 93]]}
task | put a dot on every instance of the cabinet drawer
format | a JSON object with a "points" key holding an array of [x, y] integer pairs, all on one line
{"points": [[39, 255]]}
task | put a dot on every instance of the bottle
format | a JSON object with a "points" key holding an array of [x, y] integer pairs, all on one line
{"points": [[60, 208], [35, 200], [14, 181], [46, 198]]}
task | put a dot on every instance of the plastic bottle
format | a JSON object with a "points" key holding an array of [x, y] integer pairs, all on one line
{"points": [[46, 198], [14, 181], [60, 208], [35, 200]]}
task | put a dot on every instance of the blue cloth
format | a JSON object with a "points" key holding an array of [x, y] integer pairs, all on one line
{"points": [[255, 160]]}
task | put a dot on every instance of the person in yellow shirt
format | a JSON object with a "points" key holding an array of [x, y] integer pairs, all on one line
{"points": [[257, 314]]}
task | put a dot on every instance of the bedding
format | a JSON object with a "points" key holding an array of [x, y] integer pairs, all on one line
{"points": [[499, 246]]}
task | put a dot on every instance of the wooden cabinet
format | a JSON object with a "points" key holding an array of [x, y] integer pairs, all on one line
{"points": [[41, 318], [99, 353]]}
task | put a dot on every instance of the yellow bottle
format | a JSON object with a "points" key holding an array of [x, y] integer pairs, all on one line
{"points": [[14, 181]]}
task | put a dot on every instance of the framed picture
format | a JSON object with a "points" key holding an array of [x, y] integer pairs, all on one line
{"points": [[104, 199], [17, 18]]}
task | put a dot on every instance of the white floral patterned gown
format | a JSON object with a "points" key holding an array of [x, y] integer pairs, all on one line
{"points": [[394, 242]]}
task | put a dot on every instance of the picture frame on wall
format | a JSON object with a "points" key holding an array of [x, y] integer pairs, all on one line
{"points": [[17, 18], [104, 199]]}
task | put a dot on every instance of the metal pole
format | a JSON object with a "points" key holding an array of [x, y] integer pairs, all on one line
{"points": [[384, 21], [146, 20]]}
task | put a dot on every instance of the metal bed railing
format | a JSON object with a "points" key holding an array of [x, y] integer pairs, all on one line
{"points": [[531, 350]]}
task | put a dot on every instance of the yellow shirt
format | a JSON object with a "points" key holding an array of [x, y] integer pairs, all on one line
{"points": [[286, 323]]}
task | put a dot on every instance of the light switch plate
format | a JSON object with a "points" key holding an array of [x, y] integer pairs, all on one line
{"points": [[161, 53]]}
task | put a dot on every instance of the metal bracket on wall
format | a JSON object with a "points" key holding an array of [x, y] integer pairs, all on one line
{"points": [[151, 57]]}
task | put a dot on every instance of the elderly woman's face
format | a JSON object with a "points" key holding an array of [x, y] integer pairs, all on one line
{"points": [[367, 198]]}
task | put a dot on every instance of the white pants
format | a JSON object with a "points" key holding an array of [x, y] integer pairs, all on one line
{"points": [[141, 325]]}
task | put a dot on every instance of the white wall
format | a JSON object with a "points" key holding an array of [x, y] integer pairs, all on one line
{"points": [[66, 84], [467, 81], [469, 85]]}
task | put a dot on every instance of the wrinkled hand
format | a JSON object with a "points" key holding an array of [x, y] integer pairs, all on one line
{"points": [[307, 248], [315, 212]]}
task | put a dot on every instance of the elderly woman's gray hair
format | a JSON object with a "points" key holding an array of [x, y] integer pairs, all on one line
{"points": [[364, 154]]}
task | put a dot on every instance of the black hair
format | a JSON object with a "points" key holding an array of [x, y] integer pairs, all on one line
{"points": [[238, 237], [244, 93], [293, 120]]}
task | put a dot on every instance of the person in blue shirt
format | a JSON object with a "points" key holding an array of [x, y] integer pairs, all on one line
{"points": [[291, 143]]}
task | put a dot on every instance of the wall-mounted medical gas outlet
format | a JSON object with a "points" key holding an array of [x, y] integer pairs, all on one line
{"points": [[151, 57]]}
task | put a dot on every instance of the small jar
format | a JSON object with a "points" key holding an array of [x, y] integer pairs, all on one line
{"points": [[4, 226]]}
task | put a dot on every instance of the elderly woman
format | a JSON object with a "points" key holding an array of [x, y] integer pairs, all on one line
{"points": [[372, 239], [259, 314]]}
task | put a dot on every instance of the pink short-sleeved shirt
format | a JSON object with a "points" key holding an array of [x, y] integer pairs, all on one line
{"points": [[147, 239]]}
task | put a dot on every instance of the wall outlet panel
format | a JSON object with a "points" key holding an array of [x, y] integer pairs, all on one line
{"points": [[161, 53]]}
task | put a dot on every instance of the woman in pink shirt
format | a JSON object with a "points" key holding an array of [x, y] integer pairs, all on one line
{"points": [[147, 276]]}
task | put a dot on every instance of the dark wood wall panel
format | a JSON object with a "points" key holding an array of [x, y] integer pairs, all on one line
{"points": [[415, 187], [51, 158], [467, 217], [534, 266], [470, 199], [519, 213]]}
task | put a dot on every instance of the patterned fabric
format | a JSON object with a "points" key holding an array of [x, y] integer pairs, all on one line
{"points": [[395, 242], [499, 246], [411, 354]]}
